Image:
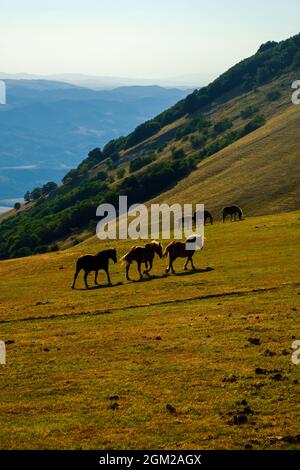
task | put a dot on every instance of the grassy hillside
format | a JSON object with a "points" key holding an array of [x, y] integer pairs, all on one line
{"points": [[97, 368], [260, 172]]}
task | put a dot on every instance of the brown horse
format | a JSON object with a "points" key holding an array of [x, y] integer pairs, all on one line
{"points": [[189, 221], [207, 216], [91, 263], [177, 249], [233, 211], [142, 254]]}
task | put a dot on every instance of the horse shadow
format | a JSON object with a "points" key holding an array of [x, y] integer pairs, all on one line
{"points": [[152, 277], [194, 271], [99, 286]]}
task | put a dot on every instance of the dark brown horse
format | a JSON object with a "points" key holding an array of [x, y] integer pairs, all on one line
{"points": [[233, 211], [91, 263], [142, 255], [207, 216], [177, 249], [189, 221]]}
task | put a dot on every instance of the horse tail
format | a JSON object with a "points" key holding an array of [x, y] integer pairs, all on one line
{"points": [[127, 256], [166, 252]]}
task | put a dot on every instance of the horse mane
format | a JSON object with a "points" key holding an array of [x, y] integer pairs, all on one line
{"points": [[124, 258], [155, 242]]}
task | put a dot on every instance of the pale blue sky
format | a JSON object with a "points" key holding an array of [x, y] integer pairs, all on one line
{"points": [[143, 39]]}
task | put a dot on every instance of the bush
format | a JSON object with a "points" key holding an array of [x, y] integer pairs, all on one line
{"points": [[254, 124], [273, 95], [222, 126], [249, 111], [178, 154], [140, 162]]}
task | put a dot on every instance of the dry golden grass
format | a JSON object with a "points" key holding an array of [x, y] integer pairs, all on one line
{"points": [[180, 339]]}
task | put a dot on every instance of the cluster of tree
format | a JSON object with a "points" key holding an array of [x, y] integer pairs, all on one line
{"points": [[74, 176], [139, 162], [39, 229], [37, 193], [222, 126], [231, 137], [273, 95], [249, 111], [199, 123]]}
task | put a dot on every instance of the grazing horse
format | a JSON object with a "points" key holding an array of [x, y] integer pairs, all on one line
{"points": [[94, 263], [177, 249], [207, 216], [233, 211], [142, 254], [189, 221]]}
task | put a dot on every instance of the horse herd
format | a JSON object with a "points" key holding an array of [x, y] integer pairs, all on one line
{"points": [[145, 254]]}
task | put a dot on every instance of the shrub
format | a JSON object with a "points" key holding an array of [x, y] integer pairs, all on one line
{"points": [[140, 162]]}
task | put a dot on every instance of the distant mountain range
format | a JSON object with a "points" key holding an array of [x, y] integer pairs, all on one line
{"points": [[48, 127], [107, 83]]}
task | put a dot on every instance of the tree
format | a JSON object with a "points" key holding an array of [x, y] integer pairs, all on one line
{"points": [[48, 187], [178, 154], [27, 196], [17, 206], [222, 126], [115, 157], [120, 173], [36, 194]]}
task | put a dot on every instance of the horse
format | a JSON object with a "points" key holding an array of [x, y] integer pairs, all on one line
{"points": [[177, 249], [189, 221], [207, 216], [91, 263], [142, 254], [233, 211]]}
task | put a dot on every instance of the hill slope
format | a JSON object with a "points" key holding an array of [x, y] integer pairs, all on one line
{"points": [[261, 171]]}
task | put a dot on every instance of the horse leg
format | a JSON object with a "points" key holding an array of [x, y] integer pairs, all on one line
{"points": [[139, 269], [148, 270], [86, 273], [192, 264], [186, 263], [75, 277], [171, 264], [108, 278], [127, 270], [96, 277]]}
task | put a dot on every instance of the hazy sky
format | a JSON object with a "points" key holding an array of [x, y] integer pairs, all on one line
{"points": [[138, 38]]}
